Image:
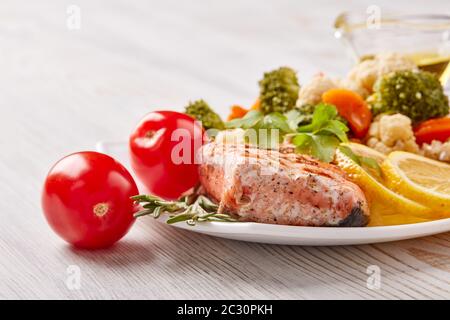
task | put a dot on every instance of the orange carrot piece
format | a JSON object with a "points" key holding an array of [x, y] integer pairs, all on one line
{"points": [[352, 107], [256, 105], [237, 112]]}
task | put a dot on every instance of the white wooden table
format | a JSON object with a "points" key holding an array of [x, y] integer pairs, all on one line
{"points": [[62, 90]]}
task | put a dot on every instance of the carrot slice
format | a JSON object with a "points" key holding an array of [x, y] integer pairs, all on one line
{"points": [[237, 112], [352, 107], [256, 105]]}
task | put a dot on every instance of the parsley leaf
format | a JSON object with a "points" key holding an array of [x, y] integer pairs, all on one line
{"points": [[321, 147], [295, 117], [323, 135], [322, 114], [320, 138], [249, 120], [276, 120], [349, 153], [365, 162], [264, 131], [335, 127], [371, 163]]}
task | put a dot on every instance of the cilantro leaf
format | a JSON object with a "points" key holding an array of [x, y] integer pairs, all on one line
{"points": [[266, 131], [321, 147], [276, 120], [323, 135], [322, 114], [293, 118], [335, 127], [349, 153], [270, 130], [365, 162], [249, 120], [371, 163], [320, 138]]}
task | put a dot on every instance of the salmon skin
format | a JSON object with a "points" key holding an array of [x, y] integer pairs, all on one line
{"points": [[280, 187]]}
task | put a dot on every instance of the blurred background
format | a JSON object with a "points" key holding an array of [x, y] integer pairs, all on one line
{"points": [[76, 72], [130, 57]]}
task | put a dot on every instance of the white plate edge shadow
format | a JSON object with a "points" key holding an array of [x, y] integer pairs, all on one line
{"points": [[293, 235]]}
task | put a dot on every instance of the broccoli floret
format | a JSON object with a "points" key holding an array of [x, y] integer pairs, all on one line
{"points": [[416, 94], [300, 116], [305, 113], [278, 90], [201, 111]]}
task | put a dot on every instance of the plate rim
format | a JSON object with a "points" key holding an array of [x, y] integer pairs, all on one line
{"points": [[333, 232]]}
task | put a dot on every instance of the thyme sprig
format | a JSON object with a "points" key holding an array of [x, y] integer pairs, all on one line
{"points": [[192, 209]]}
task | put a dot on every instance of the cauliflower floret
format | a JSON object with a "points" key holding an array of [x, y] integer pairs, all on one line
{"points": [[311, 93], [395, 127], [364, 75], [437, 150], [353, 86], [392, 133]]}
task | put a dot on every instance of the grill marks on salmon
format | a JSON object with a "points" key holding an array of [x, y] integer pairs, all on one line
{"points": [[280, 187]]}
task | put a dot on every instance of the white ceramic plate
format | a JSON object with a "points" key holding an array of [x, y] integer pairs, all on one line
{"points": [[292, 235]]}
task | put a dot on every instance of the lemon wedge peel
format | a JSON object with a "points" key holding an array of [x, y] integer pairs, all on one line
{"points": [[400, 207], [399, 181], [365, 151]]}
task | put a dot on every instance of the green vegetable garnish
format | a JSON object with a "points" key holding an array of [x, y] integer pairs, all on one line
{"points": [[416, 94], [303, 115], [320, 138], [248, 121], [192, 209], [300, 116], [274, 126], [365, 162], [323, 135], [201, 111], [278, 90]]}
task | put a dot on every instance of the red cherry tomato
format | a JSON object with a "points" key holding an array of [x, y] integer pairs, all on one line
{"points": [[352, 107], [86, 199], [163, 150], [434, 129]]}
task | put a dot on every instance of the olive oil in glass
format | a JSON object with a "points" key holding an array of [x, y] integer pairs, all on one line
{"points": [[433, 62]]}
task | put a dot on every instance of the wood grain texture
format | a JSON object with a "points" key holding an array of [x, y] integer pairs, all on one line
{"points": [[62, 90]]}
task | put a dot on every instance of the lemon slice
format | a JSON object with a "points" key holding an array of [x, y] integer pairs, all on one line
{"points": [[384, 215], [365, 151], [383, 202], [421, 179]]}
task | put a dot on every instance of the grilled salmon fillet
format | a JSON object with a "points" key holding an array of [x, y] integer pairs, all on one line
{"points": [[280, 187]]}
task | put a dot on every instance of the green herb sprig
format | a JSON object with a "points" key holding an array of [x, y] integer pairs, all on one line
{"points": [[365, 162], [320, 138], [255, 120], [323, 135], [192, 209]]}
